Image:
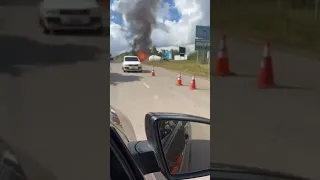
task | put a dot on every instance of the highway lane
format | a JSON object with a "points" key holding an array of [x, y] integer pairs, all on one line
{"points": [[53, 98], [136, 94], [276, 129]]}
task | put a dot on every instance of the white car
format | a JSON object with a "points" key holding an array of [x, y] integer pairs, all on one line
{"points": [[70, 15], [131, 63]]}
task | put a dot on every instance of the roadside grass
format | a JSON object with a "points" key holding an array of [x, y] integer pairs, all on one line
{"points": [[186, 66], [269, 21]]}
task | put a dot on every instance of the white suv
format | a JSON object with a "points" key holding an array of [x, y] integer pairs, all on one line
{"points": [[131, 63], [70, 15]]}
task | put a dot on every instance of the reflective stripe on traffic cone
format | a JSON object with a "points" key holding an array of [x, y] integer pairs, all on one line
{"points": [[153, 73], [179, 81], [193, 83]]}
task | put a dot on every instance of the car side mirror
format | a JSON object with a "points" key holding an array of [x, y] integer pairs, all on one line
{"points": [[178, 143]]}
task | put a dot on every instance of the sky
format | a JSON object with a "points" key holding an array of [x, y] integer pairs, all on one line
{"points": [[176, 22]]}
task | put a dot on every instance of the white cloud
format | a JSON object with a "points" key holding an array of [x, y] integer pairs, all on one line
{"points": [[167, 33], [118, 42]]}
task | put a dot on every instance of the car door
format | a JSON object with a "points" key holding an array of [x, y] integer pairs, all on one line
{"points": [[122, 165]]}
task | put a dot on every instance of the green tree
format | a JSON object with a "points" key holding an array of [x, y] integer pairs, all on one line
{"points": [[154, 50]]}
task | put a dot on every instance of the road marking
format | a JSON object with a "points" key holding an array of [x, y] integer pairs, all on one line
{"points": [[146, 85]]}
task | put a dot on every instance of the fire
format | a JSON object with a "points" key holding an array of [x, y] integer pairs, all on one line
{"points": [[143, 56]]}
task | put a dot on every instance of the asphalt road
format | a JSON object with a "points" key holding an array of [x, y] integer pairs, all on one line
{"points": [[277, 129], [136, 94], [53, 97]]}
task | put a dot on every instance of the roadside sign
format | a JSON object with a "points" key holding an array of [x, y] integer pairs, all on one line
{"points": [[203, 32], [182, 50], [202, 44]]}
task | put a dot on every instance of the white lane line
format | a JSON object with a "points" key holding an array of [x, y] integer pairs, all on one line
{"points": [[146, 85]]}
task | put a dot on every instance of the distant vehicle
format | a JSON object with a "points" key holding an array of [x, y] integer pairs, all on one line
{"points": [[131, 63], [70, 15], [154, 58]]}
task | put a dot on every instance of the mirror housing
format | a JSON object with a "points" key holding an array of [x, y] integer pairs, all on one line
{"points": [[154, 141]]}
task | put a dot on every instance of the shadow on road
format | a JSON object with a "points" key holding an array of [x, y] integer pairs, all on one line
{"points": [[146, 71], [18, 2], [84, 33], [116, 78], [214, 74], [12, 70], [17, 51], [285, 87], [143, 71]]}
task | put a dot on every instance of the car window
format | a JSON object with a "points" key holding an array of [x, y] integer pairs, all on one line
{"points": [[131, 59]]}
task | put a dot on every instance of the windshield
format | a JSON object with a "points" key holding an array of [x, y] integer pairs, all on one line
{"points": [[131, 59]]}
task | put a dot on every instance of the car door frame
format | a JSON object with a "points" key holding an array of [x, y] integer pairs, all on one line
{"points": [[124, 155]]}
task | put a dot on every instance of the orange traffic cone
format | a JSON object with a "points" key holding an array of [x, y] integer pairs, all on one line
{"points": [[222, 63], [193, 84], [176, 168], [179, 81], [153, 73], [265, 78]]}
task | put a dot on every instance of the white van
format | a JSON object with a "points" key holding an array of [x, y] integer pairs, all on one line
{"points": [[70, 15], [131, 63]]}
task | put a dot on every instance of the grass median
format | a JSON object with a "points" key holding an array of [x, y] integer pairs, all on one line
{"points": [[187, 66], [278, 21]]}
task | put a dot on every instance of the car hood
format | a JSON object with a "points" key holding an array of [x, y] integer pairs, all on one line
{"points": [[126, 127], [131, 62], [69, 4]]}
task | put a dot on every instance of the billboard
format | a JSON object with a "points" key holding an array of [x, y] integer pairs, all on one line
{"points": [[203, 32], [182, 50]]}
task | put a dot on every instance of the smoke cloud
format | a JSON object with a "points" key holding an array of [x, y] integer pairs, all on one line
{"points": [[142, 20]]}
